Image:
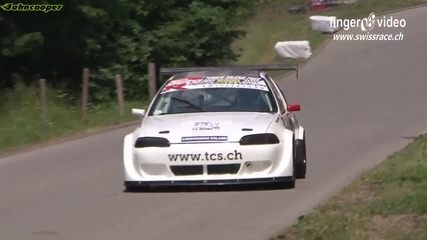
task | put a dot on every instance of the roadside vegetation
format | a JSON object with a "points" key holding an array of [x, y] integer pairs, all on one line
{"points": [[388, 202], [122, 38], [21, 120]]}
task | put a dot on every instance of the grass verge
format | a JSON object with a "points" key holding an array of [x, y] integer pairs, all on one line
{"points": [[21, 117], [388, 202]]}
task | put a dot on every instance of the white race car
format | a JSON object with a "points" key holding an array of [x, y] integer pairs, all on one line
{"points": [[216, 126]]}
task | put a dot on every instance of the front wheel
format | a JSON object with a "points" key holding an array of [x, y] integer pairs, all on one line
{"points": [[300, 161]]}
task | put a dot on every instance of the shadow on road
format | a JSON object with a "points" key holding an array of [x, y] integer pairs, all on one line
{"points": [[410, 137]]}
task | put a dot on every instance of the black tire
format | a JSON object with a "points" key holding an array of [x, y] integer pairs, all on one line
{"points": [[300, 162]]}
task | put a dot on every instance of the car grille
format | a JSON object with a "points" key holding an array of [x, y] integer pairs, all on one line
{"points": [[223, 169], [211, 169], [187, 170]]}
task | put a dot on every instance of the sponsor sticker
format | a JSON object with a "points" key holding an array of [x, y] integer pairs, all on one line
{"points": [[204, 138], [200, 126], [207, 156], [215, 82]]}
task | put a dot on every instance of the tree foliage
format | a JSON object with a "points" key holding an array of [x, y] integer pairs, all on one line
{"points": [[118, 37]]}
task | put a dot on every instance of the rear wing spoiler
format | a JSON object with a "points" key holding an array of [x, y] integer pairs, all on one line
{"points": [[270, 67]]}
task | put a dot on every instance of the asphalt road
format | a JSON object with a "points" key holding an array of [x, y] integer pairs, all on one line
{"points": [[361, 101]]}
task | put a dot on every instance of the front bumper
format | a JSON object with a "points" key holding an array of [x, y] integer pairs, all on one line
{"points": [[246, 162], [276, 181]]}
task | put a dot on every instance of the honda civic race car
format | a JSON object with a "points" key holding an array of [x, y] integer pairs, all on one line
{"points": [[216, 126]]}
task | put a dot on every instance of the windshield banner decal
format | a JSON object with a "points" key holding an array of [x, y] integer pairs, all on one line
{"points": [[215, 82]]}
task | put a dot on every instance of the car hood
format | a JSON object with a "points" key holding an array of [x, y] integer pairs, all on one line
{"points": [[205, 127]]}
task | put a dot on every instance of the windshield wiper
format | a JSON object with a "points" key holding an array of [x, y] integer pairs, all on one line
{"points": [[188, 103]]}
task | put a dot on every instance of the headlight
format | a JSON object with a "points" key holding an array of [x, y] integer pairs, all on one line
{"points": [[151, 142], [257, 139]]}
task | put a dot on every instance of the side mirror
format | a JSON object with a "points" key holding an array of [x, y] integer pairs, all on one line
{"points": [[138, 112], [294, 108]]}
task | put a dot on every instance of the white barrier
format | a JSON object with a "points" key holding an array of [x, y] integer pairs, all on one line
{"points": [[293, 49], [323, 24]]}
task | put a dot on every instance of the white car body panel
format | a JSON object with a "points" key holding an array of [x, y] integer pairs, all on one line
{"points": [[152, 164]]}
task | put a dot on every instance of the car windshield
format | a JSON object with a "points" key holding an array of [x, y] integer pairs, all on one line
{"points": [[214, 94]]}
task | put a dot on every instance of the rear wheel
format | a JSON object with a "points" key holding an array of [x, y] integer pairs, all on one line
{"points": [[300, 160]]}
